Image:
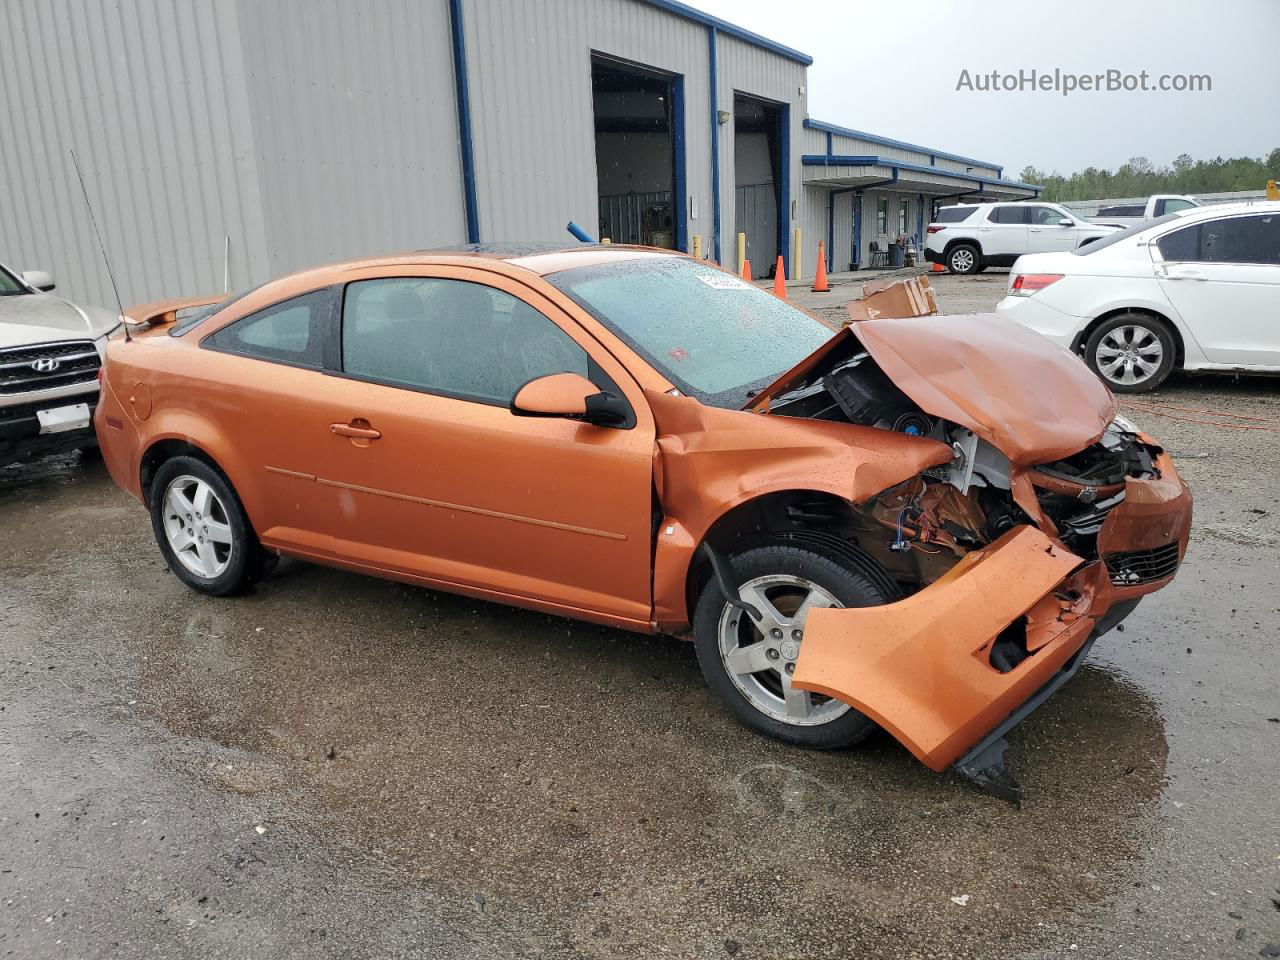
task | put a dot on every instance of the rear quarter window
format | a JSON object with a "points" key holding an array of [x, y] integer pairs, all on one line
{"points": [[954, 214]]}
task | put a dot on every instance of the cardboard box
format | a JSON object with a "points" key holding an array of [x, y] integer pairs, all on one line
{"points": [[911, 297]]}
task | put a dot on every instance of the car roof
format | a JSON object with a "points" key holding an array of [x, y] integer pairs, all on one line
{"points": [[535, 257], [1240, 206]]}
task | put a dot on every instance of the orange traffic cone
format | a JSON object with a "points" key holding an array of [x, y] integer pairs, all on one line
{"points": [[937, 268], [780, 279], [820, 284], [746, 269]]}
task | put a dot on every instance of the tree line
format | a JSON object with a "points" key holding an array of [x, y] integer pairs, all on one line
{"points": [[1139, 177]]}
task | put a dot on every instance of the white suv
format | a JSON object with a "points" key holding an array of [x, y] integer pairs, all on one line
{"points": [[50, 354], [970, 237]]}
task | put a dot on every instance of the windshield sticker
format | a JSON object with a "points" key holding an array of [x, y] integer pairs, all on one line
{"points": [[724, 281], [678, 353]]}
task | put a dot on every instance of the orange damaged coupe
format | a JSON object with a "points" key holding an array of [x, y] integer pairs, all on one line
{"points": [[921, 524]]}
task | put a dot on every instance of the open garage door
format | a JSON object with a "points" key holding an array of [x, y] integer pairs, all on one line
{"points": [[637, 112], [757, 164]]}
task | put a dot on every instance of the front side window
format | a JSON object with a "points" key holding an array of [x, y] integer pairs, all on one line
{"points": [[713, 335], [882, 216], [452, 337], [292, 332], [1254, 239], [1044, 216]]}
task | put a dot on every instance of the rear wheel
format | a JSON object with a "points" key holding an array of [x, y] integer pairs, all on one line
{"points": [[964, 258], [1131, 352], [202, 528], [749, 664]]}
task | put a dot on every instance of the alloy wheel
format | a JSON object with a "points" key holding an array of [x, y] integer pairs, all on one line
{"points": [[760, 657], [197, 527], [962, 260], [1129, 354]]}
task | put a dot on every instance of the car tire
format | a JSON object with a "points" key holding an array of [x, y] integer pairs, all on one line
{"points": [[202, 529], [1131, 352], [964, 258], [783, 575]]}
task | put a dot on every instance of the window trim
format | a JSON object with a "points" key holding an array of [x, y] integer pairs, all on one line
{"points": [[595, 372], [325, 324]]}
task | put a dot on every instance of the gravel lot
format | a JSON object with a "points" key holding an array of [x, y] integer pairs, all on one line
{"points": [[337, 766]]}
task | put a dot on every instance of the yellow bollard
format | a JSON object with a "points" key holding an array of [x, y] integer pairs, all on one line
{"points": [[742, 251], [697, 246], [795, 254], [1273, 191], [605, 240]]}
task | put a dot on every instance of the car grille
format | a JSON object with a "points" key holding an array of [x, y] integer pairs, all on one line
{"points": [[64, 363], [1142, 566]]}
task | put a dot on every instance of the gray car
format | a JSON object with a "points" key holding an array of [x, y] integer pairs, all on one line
{"points": [[50, 353]]}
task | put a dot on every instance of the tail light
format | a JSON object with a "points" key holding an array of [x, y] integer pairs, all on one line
{"points": [[934, 228], [1025, 284]]}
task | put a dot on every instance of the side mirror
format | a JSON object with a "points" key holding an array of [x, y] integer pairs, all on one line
{"points": [[1064, 222], [572, 397], [38, 279]]}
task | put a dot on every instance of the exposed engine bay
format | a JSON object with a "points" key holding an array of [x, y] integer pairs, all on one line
{"points": [[934, 519]]}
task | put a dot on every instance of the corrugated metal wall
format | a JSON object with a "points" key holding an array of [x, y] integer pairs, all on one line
{"points": [[150, 95], [531, 106], [355, 127]]}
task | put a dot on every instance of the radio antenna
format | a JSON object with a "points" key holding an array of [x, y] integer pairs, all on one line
{"points": [[102, 247]]}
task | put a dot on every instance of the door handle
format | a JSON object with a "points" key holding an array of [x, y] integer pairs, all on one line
{"points": [[1037, 229], [1186, 275], [356, 430]]}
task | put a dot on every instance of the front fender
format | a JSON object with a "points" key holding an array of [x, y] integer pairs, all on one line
{"points": [[713, 460]]}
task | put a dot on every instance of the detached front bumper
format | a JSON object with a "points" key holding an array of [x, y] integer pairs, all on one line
{"points": [[923, 668]]}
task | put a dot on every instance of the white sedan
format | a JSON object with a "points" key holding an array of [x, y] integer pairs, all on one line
{"points": [[1194, 290]]}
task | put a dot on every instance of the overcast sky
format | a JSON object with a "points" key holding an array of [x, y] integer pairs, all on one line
{"points": [[892, 69]]}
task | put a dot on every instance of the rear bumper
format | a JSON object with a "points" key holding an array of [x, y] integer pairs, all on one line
{"points": [[923, 669]]}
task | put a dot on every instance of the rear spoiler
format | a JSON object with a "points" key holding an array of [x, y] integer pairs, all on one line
{"points": [[167, 311]]}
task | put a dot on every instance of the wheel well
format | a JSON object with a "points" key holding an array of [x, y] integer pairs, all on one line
{"points": [[164, 450], [784, 515], [1179, 348], [958, 241]]}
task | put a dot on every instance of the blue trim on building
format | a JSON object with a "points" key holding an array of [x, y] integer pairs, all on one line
{"points": [[840, 160], [462, 96], [715, 143], [784, 192], [730, 30], [920, 219], [831, 128], [677, 140]]}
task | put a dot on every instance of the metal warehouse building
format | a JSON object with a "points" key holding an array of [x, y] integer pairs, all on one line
{"points": [[228, 141]]}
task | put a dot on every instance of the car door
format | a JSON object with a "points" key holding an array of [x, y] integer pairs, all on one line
{"points": [[1004, 232], [1222, 276], [438, 480], [1045, 232], [263, 387]]}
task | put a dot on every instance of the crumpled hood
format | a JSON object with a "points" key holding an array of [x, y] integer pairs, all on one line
{"points": [[43, 317], [1031, 399]]}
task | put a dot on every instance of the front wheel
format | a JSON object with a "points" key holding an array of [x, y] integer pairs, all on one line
{"points": [[749, 664], [964, 259], [1132, 352]]}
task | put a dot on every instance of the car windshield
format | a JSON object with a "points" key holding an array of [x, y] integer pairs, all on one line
{"points": [[10, 285], [1114, 238], [713, 335]]}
